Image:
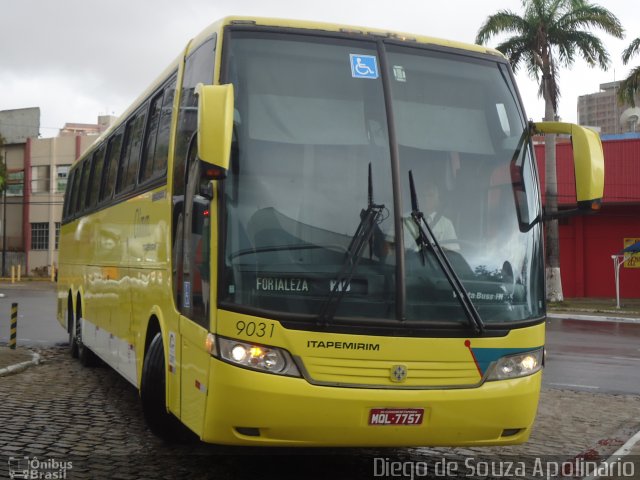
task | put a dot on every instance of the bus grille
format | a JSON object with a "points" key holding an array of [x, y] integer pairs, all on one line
{"points": [[386, 374]]}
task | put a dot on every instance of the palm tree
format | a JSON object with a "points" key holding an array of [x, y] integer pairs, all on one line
{"points": [[630, 86], [550, 35]]}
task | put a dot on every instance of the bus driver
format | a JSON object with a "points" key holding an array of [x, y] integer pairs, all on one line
{"points": [[441, 226]]}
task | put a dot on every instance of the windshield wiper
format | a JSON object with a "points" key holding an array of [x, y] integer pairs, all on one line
{"points": [[364, 234], [426, 239]]}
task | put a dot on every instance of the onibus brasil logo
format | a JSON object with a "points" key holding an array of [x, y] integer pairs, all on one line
{"points": [[33, 468]]}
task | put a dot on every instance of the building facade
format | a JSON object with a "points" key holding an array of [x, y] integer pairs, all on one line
{"points": [[588, 242], [37, 170], [48, 161], [602, 110]]}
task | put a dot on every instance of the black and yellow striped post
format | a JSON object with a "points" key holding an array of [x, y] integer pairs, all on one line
{"points": [[14, 326]]}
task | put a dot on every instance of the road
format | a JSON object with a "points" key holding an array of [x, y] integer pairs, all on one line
{"points": [[593, 356], [37, 325]]}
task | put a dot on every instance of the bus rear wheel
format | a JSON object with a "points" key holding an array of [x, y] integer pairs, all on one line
{"points": [[73, 345], [87, 357], [153, 395]]}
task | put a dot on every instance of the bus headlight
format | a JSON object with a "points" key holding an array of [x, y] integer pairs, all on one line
{"points": [[257, 357], [514, 366]]}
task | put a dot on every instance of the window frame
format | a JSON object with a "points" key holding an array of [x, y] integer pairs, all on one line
{"points": [[39, 236], [17, 181], [37, 180]]}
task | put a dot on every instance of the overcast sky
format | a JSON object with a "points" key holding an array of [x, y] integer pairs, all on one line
{"points": [[77, 59]]}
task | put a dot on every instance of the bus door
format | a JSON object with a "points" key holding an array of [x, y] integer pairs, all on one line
{"points": [[194, 229], [191, 239]]}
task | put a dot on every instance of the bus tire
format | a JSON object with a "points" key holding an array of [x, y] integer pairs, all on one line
{"points": [[87, 357], [153, 395], [73, 345]]}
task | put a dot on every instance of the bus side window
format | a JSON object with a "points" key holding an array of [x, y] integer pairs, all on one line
{"points": [[156, 142], [113, 156], [198, 69], [130, 158], [148, 153], [71, 193], [82, 191], [96, 177], [164, 128], [67, 195]]}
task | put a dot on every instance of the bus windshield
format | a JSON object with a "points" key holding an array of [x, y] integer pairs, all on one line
{"points": [[326, 132]]}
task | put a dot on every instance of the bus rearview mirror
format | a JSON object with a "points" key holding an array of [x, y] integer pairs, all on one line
{"points": [[588, 161], [215, 123]]}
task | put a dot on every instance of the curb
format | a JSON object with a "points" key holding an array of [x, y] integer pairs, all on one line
{"points": [[19, 367], [593, 318]]}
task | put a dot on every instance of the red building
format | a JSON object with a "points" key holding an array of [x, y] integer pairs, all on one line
{"points": [[587, 242]]}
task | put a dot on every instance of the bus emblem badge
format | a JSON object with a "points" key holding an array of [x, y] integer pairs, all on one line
{"points": [[398, 373]]}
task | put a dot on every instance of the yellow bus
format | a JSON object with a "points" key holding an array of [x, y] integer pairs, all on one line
{"points": [[307, 234]]}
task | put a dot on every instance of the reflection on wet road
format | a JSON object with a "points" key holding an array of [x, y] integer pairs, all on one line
{"points": [[593, 356]]}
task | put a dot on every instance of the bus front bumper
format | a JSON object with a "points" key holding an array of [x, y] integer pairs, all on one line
{"points": [[246, 407]]}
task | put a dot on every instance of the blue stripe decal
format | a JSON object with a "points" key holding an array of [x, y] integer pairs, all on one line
{"points": [[485, 356]]}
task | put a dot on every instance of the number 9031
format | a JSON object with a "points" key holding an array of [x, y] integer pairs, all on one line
{"points": [[255, 329]]}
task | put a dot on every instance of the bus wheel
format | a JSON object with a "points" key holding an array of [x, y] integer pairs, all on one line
{"points": [[73, 345], [87, 357], [154, 401]]}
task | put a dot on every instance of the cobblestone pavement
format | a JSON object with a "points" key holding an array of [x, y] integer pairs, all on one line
{"points": [[61, 412]]}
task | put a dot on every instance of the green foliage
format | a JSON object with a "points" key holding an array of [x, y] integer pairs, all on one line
{"points": [[631, 50], [630, 86], [552, 34]]}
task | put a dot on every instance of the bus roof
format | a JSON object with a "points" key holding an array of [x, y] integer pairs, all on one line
{"points": [[217, 27], [331, 27]]}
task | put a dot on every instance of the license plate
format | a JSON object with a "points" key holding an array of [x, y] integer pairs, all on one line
{"points": [[396, 416]]}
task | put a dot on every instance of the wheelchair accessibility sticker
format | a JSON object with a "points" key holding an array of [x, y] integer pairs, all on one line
{"points": [[363, 66]]}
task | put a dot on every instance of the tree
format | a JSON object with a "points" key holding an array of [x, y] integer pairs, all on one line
{"points": [[550, 35], [630, 86]]}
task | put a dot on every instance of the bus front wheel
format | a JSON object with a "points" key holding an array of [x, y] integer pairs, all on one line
{"points": [[153, 394]]}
